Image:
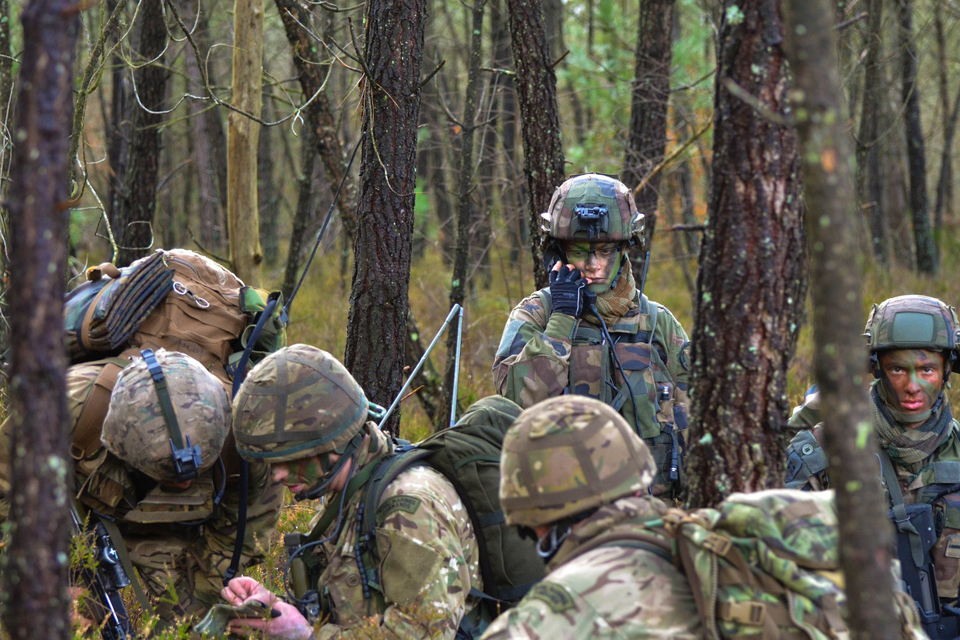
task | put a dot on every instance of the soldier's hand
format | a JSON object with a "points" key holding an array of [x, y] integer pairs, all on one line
{"points": [[289, 625], [567, 285], [241, 589]]}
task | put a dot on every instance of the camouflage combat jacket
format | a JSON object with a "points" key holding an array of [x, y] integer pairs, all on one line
{"points": [[937, 483], [543, 354], [429, 559], [178, 541], [611, 591]]}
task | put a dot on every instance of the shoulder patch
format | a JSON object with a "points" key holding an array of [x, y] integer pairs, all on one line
{"points": [[407, 504], [554, 595]]}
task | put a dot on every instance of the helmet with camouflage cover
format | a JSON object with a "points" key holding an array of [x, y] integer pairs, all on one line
{"points": [[912, 322], [566, 455], [298, 402], [593, 207], [136, 429]]}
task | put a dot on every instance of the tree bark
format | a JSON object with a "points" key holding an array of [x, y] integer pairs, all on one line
{"points": [[379, 302], [465, 207], [268, 195], [304, 219], [839, 358], [752, 274], [311, 75], [243, 133], [210, 145], [945, 184], [35, 600], [927, 260], [650, 98], [133, 219], [536, 87], [648, 110], [869, 165]]}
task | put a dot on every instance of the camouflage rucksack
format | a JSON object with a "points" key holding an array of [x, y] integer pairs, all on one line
{"points": [[761, 565]]}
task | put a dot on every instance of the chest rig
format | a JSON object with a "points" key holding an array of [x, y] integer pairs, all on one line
{"points": [[594, 372]]}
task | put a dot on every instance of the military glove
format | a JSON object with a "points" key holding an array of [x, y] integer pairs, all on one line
{"points": [[566, 291]]}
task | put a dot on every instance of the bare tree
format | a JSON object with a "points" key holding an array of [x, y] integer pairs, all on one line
{"points": [[869, 163], [648, 107], [752, 274], [536, 87], [379, 301], [927, 261], [243, 133], [36, 602], [132, 217], [839, 363]]}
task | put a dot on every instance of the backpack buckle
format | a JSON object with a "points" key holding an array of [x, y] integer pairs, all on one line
{"points": [[717, 544], [748, 613]]}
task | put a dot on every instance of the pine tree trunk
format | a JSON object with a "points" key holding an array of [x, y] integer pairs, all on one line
{"points": [[311, 75], [865, 541], [133, 219], [927, 261], [752, 275], [869, 165], [268, 195], [648, 110], [379, 302], [243, 134], [210, 148], [35, 598], [536, 87]]}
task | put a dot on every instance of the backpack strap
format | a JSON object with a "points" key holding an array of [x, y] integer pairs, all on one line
{"points": [[652, 309], [89, 424], [627, 537]]}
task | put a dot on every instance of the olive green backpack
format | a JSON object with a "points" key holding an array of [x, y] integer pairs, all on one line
{"points": [[468, 455]]}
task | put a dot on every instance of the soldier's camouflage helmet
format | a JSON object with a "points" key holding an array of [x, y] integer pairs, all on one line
{"points": [[566, 455], [298, 402], [135, 429], [913, 322], [593, 207]]}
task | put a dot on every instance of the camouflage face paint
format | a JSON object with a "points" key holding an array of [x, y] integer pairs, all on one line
{"points": [[912, 380], [299, 475]]}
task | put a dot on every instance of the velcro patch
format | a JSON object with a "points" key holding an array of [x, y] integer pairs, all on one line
{"points": [[407, 504], [952, 549], [556, 596]]}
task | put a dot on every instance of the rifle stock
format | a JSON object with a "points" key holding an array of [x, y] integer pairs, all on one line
{"points": [[105, 580]]}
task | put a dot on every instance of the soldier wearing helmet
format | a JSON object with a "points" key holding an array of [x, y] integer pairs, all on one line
{"points": [[573, 470], [912, 341], [151, 454], [593, 333], [302, 412]]}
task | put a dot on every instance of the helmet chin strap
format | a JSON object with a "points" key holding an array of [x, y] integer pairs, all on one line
{"points": [[347, 454], [604, 287]]}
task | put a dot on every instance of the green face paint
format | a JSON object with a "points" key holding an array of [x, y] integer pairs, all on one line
{"points": [[911, 382], [300, 474]]}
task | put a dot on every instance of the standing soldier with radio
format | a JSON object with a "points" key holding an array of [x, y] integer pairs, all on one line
{"points": [[592, 332]]}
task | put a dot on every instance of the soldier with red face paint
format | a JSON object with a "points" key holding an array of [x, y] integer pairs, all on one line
{"points": [[913, 348]]}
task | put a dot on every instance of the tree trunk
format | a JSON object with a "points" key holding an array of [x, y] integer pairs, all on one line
{"points": [[752, 274], [210, 148], [133, 219], [648, 110], [36, 602], [536, 87], [869, 165], [379, 302], [268, 194], [465, 208], [242, 136], [311, 74], [6, 87], [945, 184], [927, 261], [436, 176], [865, 541]]}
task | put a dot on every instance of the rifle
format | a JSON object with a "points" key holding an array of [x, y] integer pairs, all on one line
{"points": [[105, 580], [916, 536]]}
